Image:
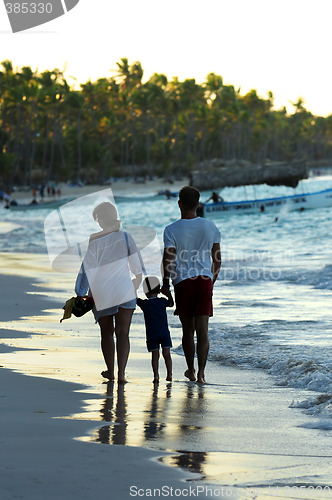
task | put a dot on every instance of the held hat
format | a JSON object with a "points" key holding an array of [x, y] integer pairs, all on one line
{"points": [[82, 306]]}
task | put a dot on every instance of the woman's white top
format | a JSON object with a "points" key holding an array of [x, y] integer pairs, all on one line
{"points": [[107, 269]]}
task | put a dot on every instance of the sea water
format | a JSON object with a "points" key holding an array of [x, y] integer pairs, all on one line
{"points": [[272, 300]]}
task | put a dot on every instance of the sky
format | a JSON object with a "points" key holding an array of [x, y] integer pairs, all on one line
{"points": [[281, 46]]}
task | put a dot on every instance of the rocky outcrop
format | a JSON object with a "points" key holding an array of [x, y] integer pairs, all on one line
{"points": [[218, 173]]}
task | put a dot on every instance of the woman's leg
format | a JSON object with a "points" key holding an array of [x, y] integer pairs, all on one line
{"points": [[107, 344], [122, 325]]}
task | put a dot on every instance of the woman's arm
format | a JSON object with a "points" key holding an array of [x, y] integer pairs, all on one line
{"points": [[82, 283]]}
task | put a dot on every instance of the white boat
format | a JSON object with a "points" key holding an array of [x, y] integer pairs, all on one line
{"points": [[319, 199]]}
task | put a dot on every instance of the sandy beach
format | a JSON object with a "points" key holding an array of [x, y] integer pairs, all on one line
{"points": [[118, 186], [68, 434]]}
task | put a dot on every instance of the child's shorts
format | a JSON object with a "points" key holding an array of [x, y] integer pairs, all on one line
{"points": [[153, 342]]}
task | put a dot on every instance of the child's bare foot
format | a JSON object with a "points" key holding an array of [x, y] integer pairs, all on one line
{"points": [[190, 374], [107, 374]]}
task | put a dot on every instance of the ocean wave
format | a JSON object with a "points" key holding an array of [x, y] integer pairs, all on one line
{"points": [[247, 303], [320, 405], [321, 424], [245, 273], [291, 363], [318, 278]]}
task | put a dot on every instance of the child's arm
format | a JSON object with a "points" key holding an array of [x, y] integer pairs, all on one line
{"points": [[140, 302], [170, 301]]}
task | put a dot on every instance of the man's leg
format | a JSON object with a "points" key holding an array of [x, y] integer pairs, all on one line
{"points": [[202, 329], [188, 344]]}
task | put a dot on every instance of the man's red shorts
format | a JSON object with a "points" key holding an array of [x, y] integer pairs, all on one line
{"points": [[193, 297]]}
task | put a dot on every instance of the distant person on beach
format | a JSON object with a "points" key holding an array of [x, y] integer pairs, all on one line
{"points": [[192, 260], [156, 326], [111, 258], [6, 198], [215, 197]]}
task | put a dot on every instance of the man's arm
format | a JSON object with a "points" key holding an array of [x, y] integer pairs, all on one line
{"points": [[168, 258], [216, 261]]}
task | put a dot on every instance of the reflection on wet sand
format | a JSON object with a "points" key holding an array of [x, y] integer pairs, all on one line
{"points": [[114, 412], [193, 461], [155, 422]]}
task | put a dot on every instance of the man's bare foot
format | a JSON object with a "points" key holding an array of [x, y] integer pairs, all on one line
{"points": [[169, 378], [156, 380], [107, 374], [122, 380], [190, 374]]}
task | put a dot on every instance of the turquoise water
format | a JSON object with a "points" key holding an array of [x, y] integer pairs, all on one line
{"points": [[272, 301]]}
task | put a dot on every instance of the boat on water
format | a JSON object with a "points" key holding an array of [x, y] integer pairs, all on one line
{"points": [[42, 205], [304, 201]]}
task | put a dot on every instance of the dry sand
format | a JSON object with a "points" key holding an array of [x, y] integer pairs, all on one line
{"points": [[237, 433]]}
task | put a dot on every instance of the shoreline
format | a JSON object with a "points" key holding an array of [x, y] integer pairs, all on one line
{"points": [[249, 437], [119, 187]]}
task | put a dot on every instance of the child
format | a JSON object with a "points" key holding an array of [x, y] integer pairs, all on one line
{"points": [[156, 326]]}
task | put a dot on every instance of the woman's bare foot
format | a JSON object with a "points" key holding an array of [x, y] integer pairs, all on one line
{"points": [[190, 374], [107, 374], [122, 378], [169, 377], [156, 380], [200, 378]]}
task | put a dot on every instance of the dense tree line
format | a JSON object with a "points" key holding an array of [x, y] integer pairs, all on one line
{"points": [[122, 126]]}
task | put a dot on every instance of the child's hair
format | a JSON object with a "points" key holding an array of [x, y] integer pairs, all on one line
{"points": [[151, 285]]}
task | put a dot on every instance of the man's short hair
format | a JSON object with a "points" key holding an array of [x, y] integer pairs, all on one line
{"points": [[189, 197]]}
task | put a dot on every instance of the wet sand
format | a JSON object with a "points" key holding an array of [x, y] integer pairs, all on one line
{"points": [[236, 433]]}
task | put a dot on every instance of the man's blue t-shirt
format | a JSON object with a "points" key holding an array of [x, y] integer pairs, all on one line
{"points": [[156, 325]]}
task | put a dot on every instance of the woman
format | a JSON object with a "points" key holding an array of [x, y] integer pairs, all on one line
{"points": [[111, 258]]}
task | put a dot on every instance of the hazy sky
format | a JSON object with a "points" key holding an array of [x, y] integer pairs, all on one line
{"points": [[278, 45]]}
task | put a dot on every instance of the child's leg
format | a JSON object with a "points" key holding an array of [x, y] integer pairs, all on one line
{"points": [[168, 362], [155, 365]]}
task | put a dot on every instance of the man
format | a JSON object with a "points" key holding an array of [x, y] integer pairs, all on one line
{"points": [[192, 260]]}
